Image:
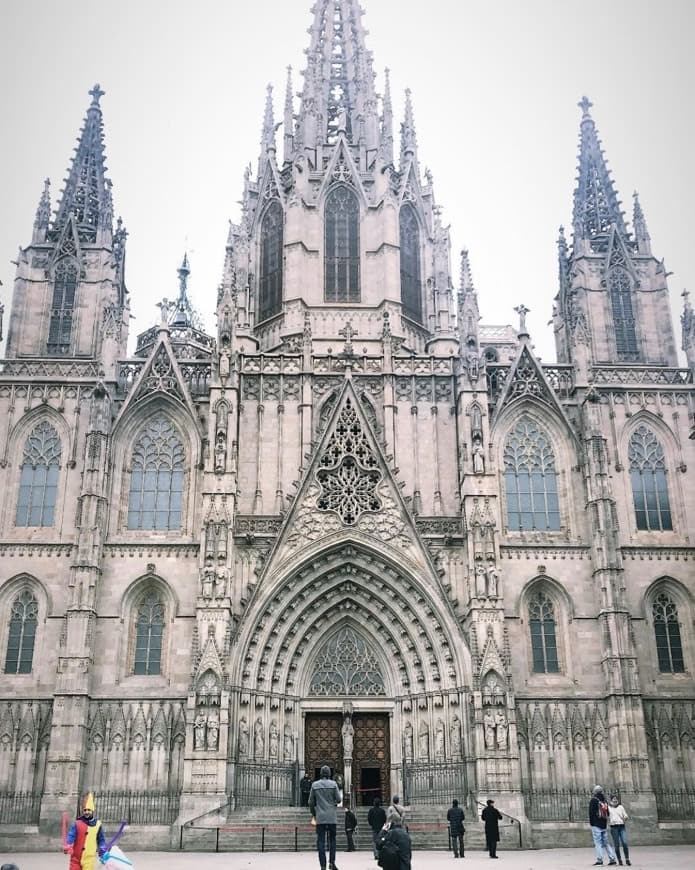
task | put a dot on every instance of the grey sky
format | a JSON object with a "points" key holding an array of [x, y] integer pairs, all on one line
{"points": [[495, 87]]}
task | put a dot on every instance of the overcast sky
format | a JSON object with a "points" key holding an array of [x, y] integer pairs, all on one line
{"points": [[495, 87]]}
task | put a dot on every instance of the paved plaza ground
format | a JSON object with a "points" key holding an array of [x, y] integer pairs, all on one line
{"points": [[651, 857]]}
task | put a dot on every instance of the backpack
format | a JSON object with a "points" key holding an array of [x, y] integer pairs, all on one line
{"points": [[389, 856], [603, 809]]}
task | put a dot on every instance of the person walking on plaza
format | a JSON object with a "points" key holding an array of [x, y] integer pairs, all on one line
{"points": [[492, 817], [598, 821], [617, 816], [324, 797], [395, 848], [376, 819], [85, 839], [350, 828], [455, 817], [395, 809], [304, 789]]}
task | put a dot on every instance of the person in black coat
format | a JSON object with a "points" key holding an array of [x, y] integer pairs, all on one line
{"points": [[455, 817], [350, 827], [401, 839], [491, 816], [376, 819]]}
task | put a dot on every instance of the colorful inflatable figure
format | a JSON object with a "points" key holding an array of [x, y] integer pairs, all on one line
{"points": [[85, 839]]}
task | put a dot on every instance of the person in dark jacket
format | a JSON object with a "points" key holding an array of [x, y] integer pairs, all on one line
{"points": [[399, 837], [305, 789], [376, 819], [350, 827], [455, 817], [598, 821], [323, 799], [492, 817]]}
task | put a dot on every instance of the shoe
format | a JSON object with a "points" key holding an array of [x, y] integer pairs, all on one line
{"points": [[332, 867], [612, 862], [620, 861], [628, 862], [598, 863]]}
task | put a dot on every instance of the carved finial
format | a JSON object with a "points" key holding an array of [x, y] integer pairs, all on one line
{"points": [[408, 137], [585, 104], [522, 311], [386, 325], [640, 225], [96, 94]]}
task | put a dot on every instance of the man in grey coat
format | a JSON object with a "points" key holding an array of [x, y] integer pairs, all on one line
{"points": [[324, 797]]}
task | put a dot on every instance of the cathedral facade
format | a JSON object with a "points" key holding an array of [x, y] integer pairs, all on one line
{"points": [[357, 525]]}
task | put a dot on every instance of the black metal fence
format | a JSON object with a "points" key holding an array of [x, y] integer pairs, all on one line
{"points": [[549, 805], [138, 807], [266, 785], [433, 783], [675, 804], [19, 808]]}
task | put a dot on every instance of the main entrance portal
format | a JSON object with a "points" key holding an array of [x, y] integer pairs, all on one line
{"points": [[371, 759]]}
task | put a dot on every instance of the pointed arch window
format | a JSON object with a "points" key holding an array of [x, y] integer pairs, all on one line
{"points": [[620, 289], [530, 480], [543, 634], [342, 246], [157, 478], [411, 285], [272, 249], [149, 633], [22, 634], [346, 665], [649, 484], [669, 649], [62, 307], [38, 480]]}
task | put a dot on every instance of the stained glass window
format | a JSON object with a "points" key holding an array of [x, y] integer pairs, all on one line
{"points": [[149, 631], [620, 288], [38, 480], [157, 477], [347, 666], [649, 485], [342, 239], [669, 649], [270, 284], [22, 634], [543, 640], [411, 286], [530, 479], [62, 307]]}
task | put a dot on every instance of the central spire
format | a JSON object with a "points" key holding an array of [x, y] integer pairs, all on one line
{"points": [[338, 94]]}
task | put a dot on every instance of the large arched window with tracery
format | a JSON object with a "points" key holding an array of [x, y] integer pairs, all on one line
{"points": [[648, 479], [62, 307], [272, 249], [620, 290], [157, 477], [543, 635], [149, 633], [530, 479], [342, 246], [669, 649], [21, 634], [411, 284], [38, 480]]}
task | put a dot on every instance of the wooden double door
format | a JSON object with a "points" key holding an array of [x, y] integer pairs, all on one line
{"points": [[371, 759]]}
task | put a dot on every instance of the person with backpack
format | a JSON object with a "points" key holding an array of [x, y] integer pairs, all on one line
{"points": [[395, 848], [376, 819], [617, 816], [455, 817], [598, 821]]}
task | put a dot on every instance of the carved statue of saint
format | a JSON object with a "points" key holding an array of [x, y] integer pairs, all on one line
{"points": [[208, 581], [273, 740], [258, 738], [480, 581], [478, 455], [221, 575], [502, 726], [476, 423], [220, 453], [213, 731], [439, 739], [348, 737], [455, 737], [472, 365], [489, 728], [199, 730], [243, 737], [408, 735], [424, 741], [288, 744], [493, 578]]}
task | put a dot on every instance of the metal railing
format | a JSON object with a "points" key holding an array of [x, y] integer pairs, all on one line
{"points": [[266, 785], [138, 808], [675, 804], [20, 808], [549, 805], [435, 783]]}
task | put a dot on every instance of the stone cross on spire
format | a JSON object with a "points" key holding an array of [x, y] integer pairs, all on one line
{"points": [[522, 311], [348, 333], [585, 104], [96, 94]]}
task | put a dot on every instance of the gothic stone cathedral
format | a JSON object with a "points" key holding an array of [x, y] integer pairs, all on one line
{"points": [[354, 505]]}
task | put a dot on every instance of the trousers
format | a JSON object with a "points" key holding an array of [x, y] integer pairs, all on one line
{"points": [[323, 832]]}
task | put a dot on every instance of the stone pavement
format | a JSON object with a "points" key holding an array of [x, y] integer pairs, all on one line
{"points": [[651, 857]]}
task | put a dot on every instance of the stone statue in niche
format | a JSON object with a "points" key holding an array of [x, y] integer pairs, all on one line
{"points": [[488, 540], [220, 452], [348, 733], [273, 740], [288, 744], [493, 578], [258, 739], [199, 730], [480, 581], [439, 740], [478, 455], [476, 424], [455, 737], [213, 736], [502, 728], [424, 741], [222, 575], [224, 365], [472, 362], [243, 742], [208, 581], [408, 737], [99, 408], [489, 729]]}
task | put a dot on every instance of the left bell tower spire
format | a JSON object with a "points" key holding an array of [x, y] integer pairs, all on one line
{"points": [[70, 298]]}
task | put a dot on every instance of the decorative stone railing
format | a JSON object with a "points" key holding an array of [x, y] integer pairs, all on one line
{"points": [[641, 375], [41, 369], [196, 374]]}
